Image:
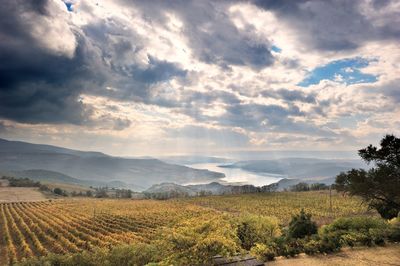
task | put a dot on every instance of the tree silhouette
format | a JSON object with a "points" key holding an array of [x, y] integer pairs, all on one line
{"points": [[380, 185]]}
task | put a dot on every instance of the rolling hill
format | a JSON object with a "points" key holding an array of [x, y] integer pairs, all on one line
{"points": [[299, 168], [95, 166]]}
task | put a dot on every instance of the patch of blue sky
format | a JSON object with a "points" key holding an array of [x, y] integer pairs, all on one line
{"points": [[276, 49], [345, 71], [69, 6]]}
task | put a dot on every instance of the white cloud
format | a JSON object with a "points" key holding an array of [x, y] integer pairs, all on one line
{"points": [[160, 67]]}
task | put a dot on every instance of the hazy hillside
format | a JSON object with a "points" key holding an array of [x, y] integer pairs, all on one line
{"points": [[286, 183], [170, 188], [42, 175], [194, 159], [95, 166], [173, 190], [56, 177], [299, 167]]}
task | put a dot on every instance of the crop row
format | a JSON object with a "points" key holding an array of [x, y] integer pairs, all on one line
{"points": [[38, 228]]}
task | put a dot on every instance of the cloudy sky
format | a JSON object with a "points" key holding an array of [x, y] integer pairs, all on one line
{"points": [[170, 77]]}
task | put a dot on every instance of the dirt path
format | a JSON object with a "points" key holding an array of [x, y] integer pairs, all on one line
{"points": [[377, 256], [15, 194]]}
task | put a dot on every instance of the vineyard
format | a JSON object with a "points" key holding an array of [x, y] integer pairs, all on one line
{"points": [[30, 229], [37, 228], [323, 207]]}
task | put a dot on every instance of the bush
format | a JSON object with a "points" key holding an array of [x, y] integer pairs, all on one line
{"points": [[263, 252], [196, 241], [294, 247], [363, 224], [312, 246], [246, 235], [301, 225], [394, 230], [329, 243], [358, 231], [352, 239], [378, 236], [59, 191], [254, 229]]}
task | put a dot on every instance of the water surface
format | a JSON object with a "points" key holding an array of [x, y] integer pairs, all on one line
{"points": [[239, 176]]}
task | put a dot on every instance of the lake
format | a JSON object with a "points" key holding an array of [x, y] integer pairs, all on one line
{"points": [[236, 175]]}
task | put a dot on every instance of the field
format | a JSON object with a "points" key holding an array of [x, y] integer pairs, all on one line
{"points": [[72, 225], [13, 194]]}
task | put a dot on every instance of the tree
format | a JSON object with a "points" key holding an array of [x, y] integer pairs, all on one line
{"points": [[101, 193], [301, 225], [89, 193], [302, 186], [379, 186], [59, 191]]}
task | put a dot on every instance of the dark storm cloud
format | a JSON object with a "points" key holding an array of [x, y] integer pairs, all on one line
{"points": [[211, 96], [189, 101], [37, 85], [3, 127], [40, 85], [212, 35], [256, 117], [157, 71], [335, 25], [290, 95]]}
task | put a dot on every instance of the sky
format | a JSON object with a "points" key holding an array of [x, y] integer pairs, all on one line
{"points": [[137, 78]]}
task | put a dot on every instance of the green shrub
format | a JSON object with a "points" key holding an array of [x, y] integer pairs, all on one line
{"points": [[247, 235], [294, 247], [353, 238], [362, 224], [254, 229], [378, 236], [196, 241], [288, 247], [358, 231], [301, 225], [394, 230], [312, 246], [263, 252]]}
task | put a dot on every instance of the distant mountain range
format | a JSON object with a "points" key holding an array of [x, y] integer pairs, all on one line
{"points": [[299, 168], [194, 159], [60, 165], [34, 160]]}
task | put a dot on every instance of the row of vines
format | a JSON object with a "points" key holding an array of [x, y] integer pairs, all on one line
{"points": [[37, 228]]}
